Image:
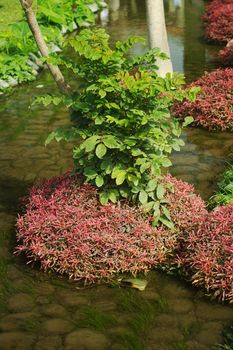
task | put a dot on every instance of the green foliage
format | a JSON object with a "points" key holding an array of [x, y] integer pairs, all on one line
{"points": [[17, 42], [225, 194], [143, 315], [123, 125], [93, 318], [228, 340], [16, 66]]}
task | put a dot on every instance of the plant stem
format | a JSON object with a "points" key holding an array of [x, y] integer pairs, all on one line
{"points": [[41, 44]]}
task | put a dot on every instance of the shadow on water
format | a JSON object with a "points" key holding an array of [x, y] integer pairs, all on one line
{"points": [[42, 311], [11, 190]]}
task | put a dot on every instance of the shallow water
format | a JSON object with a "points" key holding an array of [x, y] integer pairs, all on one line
{"points": [[41, 311]]}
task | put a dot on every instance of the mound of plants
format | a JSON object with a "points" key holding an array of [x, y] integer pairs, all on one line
{"points": [[69, 231], [213, 107], [65, 227], [187, 209], [207, 253], [218, 19], [226, 54]]}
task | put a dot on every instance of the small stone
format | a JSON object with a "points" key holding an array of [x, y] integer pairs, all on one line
{"points": [[51, 342], [54, 310], [166, 320], [93, 7], [45, 288], [71, 298], [33, 65], [4, 253], [42, 300], [3, 84], [13, 272], [194, 345], [180, 306], [20, 302], [57, 326], [176, 290], [15, 321], [210, 334], [163, 335], [86, 339], [212, 312], [12, 81], [16, 341]]}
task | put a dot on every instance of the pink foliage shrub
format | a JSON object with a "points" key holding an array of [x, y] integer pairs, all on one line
{"points": [[213, 108], [218, 19], [207, 253], [187, 209], [68, 231]]}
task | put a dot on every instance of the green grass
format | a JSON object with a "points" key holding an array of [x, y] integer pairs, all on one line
{"points": [[10, 11], [190, 330], [142, 314], [91, 317], [228, 340], [31, 325], [131, 341]]}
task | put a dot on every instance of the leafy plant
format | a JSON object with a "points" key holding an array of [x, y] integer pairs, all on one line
{"points": [[206, 253], [225, 194], [213, 108], [68, 231], [123, 126], [218, 19], [93, 318], [228, 340]]}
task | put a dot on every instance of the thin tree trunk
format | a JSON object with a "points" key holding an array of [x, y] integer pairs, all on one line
{"points": [[158, 33], [42, 46]]}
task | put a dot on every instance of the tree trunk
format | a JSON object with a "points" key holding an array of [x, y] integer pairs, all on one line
{"points": [[158, 33], [41, 44]]}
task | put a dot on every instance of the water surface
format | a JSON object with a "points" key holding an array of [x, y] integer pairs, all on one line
{"points": [[42, 311]]}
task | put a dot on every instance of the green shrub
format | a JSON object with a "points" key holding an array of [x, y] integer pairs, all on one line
{"points": [[224, 195], [123, 126]]}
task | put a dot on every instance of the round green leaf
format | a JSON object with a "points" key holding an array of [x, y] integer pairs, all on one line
{"points": [[143, 197], [99, 181], [100, 150], [120, 177]]}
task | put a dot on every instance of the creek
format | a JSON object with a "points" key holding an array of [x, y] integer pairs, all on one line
{"points": [[42, 311]]}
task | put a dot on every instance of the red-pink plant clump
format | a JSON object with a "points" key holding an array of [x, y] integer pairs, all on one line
{"points": [[218, 19], [226, 55], [213, 108], [68, 231], [187, 209], [208, 253]]}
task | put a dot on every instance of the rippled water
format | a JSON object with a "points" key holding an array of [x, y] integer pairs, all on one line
{"points": [[41, 311]]}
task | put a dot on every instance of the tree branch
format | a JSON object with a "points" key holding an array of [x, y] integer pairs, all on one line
{"points": [[42, 46]]}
